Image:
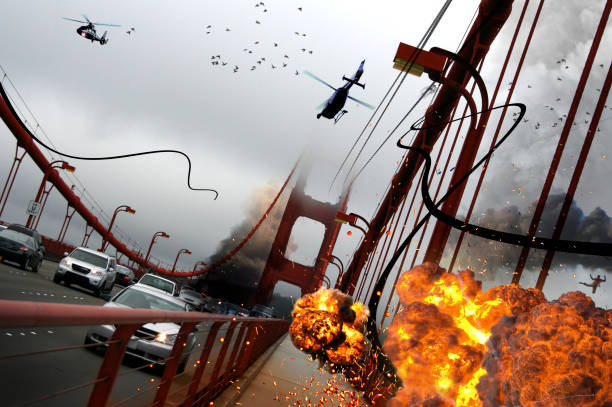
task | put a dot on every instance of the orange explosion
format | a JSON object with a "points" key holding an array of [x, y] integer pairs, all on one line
{"points": [[328, 324], [539, 352]]}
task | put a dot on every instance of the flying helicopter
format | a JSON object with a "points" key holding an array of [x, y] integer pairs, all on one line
{"points": [[333, 107], [89, 30]]}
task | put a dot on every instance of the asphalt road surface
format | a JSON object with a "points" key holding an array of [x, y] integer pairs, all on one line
{"points": [[28, 378]]}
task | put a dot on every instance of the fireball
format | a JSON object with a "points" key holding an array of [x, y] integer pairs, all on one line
{"points": [[454, 345], [328, 321]]}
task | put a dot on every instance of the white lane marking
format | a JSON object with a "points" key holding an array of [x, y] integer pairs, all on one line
{"points": [[9, 334], [50, 332]]}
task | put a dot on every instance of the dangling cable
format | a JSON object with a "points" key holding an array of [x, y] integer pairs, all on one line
{"points": [[114, 157]]}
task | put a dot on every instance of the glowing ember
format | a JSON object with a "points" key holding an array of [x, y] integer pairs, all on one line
{"points": [[454, 345]]}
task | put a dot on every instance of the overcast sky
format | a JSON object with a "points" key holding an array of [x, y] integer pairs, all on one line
{"points": [[156, 88]]}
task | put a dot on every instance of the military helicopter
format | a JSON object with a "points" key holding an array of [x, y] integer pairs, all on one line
{"points": [[333, 107], [89, 30]]}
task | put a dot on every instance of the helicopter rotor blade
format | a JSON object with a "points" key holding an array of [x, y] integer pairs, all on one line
{"points": [[108, 25], [362, 103], [72, 19], [86, 19], [313, 76]]}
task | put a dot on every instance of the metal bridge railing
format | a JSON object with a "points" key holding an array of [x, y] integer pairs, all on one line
{"points": [[244, 340]]}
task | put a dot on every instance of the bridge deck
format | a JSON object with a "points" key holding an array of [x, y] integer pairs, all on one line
{"points": [[285, 376]]}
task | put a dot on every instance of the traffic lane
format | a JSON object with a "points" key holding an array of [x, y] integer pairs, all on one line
{"points": [[39, 375], [29, 378], [25, 285]]}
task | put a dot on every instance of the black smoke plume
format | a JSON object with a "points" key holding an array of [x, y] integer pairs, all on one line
{"points": [[244, 269]]}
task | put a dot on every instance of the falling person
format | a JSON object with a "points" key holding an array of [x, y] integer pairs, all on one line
{"points": [[596, 282]]}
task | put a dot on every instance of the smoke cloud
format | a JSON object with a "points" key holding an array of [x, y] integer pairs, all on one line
{"points": [[246, 266], [483, 255]]}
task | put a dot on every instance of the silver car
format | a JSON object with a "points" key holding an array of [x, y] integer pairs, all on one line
{"points": [[89, 269], [152, 342]]}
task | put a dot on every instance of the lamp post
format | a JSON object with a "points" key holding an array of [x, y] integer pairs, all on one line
{"points": [[177, 256], [351, 219], [121, 208], [155, 235], [195, 266], [41, 190]]}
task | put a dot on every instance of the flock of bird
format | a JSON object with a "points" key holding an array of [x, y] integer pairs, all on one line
{"points": [[256, 47], [561, 118]]}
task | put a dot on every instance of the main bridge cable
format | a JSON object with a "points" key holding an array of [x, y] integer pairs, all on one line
{"points": [[407, 66], [113, 157]]}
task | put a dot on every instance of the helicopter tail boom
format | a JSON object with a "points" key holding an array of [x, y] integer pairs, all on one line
{"points": [[354, 82], [103, 39]]}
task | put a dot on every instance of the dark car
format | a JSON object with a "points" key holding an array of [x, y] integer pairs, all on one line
{"points": [[20, 248], [27, 231], [261, 311], [124, 276]]}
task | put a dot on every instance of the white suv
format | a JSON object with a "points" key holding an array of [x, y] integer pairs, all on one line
{"points": [[89, 269]]}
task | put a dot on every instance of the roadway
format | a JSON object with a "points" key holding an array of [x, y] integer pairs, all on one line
{"points": [[30, 377]]}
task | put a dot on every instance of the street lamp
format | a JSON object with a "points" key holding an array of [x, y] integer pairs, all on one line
{"points": [[195, 266], [41, 190], [121, 208], [351, 219], [177, 256], [155, 235], [340, 266]]}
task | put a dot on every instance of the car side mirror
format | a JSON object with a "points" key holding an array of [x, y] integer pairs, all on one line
{"points": [[65, 254]]}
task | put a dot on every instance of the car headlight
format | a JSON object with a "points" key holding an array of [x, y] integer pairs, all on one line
{"points": [[95, 272], [23, 249], [163, 337], [66, 262]]}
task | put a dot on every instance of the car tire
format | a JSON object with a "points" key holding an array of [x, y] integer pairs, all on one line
{"points": [[57, 279], [37, 267], [25, 264]]}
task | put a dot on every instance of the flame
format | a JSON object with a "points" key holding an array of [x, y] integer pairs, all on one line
{"points": [[329, 324], [454, 345]]}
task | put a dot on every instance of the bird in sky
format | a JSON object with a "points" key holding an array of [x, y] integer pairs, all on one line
{"points": [[286, 56], [227, 29], [257, 22], [275, 44], [297, 73], [208, 26], [299, 8], [284, 64], [273, 67]]}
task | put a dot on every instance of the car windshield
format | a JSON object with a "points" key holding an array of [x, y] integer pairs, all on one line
{"points": [[139, 299], [89, 257], [18, 237], [158, 283]]}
